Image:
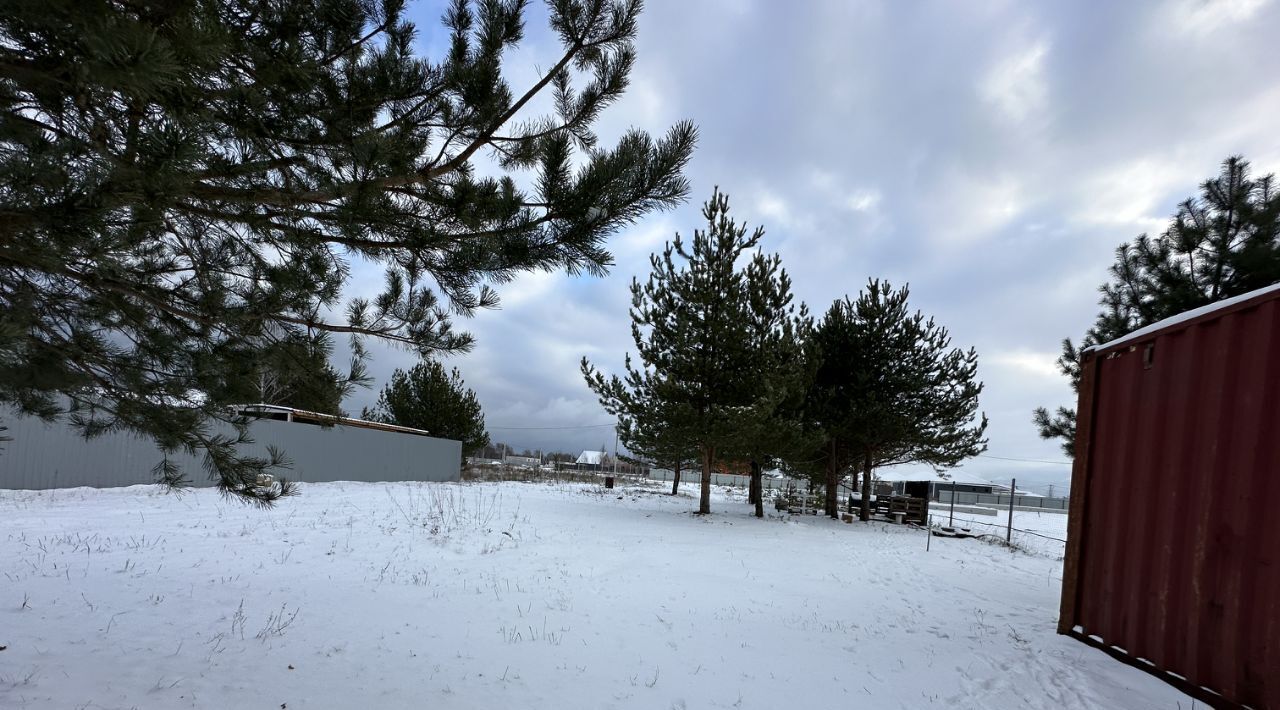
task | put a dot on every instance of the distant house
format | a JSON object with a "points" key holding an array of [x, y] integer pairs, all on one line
{"points": [[592, 460], [526, 461], [998, 488], [927, 484], [482, 461], [603, 461]]}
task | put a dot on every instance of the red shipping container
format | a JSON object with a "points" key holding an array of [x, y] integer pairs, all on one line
{"points": [[1173, 551]]}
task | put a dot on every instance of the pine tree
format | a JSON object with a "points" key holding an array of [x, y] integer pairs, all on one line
{"points": [[429, 398], [711, 339], [302, 380], [889, 389], [1224, 243], [644, 427], [772, 430], [181, 184], [291, 373], [829, 402]]}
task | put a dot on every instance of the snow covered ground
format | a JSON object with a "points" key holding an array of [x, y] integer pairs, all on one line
{"points": [[517, 595], [1035, 531]]}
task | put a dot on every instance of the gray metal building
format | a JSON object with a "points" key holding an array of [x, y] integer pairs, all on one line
{"points": [[43, 456]]}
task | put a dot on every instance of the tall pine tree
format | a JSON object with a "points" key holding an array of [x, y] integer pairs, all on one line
{"points": [[645, 426], [182, 183], [889, 389], [430, 398], [772, 430], [716, 336], [1224, 243]]}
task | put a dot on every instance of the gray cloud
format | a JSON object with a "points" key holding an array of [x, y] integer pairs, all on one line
{"points": [[991, 154]]}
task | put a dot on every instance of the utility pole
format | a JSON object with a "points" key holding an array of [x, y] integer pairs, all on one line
{"points": [[1013, 491]]}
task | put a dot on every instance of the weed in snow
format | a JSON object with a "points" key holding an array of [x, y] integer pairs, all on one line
{"points": [[16, 681], [237, 621], [277, 623]]}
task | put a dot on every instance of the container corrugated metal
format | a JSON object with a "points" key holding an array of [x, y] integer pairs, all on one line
{"points": [[1173, 553]]}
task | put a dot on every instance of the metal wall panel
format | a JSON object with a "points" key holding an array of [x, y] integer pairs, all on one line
{"points": [[1173, 555], [1000, 500], [43, 456]]}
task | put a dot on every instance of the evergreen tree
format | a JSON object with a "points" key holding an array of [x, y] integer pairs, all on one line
{"points": [[181, 181], [1224, 243], [711, 340], [302, 380], [291, 373], [889, 390], [829, 401], [429, 398], [644, 425], [775, 433], [772, 430]]}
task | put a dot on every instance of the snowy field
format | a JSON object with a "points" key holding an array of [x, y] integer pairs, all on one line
{"points": [[1035, 531], [521, 596]]}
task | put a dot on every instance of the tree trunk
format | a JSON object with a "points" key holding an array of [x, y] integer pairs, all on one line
{"points": [[864, 514], [757, 487], [752, 492], [833, 484], [704, 499], [675, 482]]}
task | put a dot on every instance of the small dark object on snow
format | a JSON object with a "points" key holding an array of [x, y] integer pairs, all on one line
{"points": [[3, 648], [952, 532], [608, 481], [291, 667]]}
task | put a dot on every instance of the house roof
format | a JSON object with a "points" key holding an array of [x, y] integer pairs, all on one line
{"points": [[302, 415], [956, 476], [591, 457]]}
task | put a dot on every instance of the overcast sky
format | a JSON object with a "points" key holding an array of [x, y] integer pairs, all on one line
{"points": [[990, 154]]}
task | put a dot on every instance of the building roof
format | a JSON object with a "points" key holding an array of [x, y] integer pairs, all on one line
{"points": [[957, 476], [302, 415], [591, 457]]}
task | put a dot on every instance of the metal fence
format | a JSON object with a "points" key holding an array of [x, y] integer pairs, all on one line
{"points": [[43, 456], [1002, 500], [694, 476]]}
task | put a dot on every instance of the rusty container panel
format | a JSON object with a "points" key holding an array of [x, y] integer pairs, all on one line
{"points": [[1173, 559]]}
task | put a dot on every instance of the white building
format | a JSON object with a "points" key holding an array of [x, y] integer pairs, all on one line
{"points": [[592, 460], [957, 480]]}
